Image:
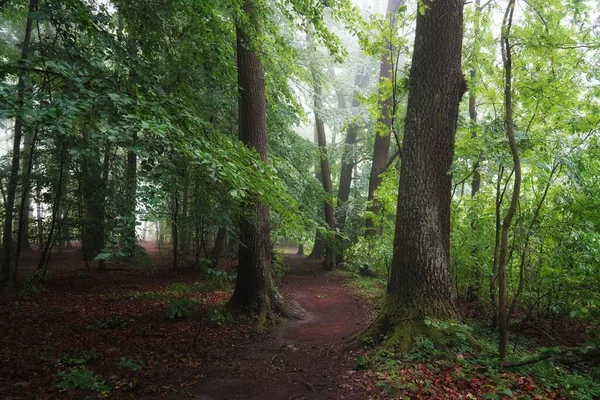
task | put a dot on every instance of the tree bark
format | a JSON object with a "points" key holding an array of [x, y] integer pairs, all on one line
{"points": [[420, 284], [218, 249], [253, 293], [382, 142], [11, 190]]}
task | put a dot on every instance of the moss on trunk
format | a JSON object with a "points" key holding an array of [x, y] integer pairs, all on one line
{"points": [[400, 322]]}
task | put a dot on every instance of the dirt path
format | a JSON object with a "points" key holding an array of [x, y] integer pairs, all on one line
{"points": [[304, 358]]}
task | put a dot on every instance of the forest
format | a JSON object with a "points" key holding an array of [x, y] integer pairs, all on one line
{"points": [[300, 199]]}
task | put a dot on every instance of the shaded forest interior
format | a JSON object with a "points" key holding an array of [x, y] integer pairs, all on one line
{"points": [[359, 199]]}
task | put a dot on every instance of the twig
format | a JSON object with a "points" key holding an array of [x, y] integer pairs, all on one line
{"points": [[311, 387]]}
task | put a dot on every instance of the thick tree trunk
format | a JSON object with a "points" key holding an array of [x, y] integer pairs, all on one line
{"points": [[329, 263], [11, 190], [253, 293], [382, 142], [420, 283]]}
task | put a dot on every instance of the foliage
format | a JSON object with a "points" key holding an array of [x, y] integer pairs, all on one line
{"points": [[220, 316], [34, 284], [115, 321], [134, 365], [178, 307], [80, 378], [76, 359]]}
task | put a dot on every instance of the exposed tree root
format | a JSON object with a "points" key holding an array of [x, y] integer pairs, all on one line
{"points": [[266, 308], [399, 324]]}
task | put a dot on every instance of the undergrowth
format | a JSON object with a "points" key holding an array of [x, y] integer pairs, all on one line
{"points": [[459, 363]]}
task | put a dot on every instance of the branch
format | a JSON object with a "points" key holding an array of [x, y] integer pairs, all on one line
{"points": [[564, 356]]}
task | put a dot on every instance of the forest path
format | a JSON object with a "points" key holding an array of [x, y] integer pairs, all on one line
{"points": [[304, 359]]}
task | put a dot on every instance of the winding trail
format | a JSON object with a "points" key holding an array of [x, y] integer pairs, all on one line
{"points": [[303, 359]]}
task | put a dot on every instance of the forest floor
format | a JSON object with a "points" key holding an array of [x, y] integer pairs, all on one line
{"points": [[108, 334], [135, 334]]}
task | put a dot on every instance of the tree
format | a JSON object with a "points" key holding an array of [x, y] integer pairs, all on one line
{"points": [[253, 292], [329, 263], [382, 139], [514, 202], [7, 234], [420, 282]]}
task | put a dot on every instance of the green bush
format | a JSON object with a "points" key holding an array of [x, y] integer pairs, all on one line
{"points": [[178, 308], [131, 364], [80, 378], [113, 322], [220, 316], [77, 359], [34, 284]]}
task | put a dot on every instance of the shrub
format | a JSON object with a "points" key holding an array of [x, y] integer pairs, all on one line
{"points": [[80, 378], [130, 364], [178, 308], [77, 359]]}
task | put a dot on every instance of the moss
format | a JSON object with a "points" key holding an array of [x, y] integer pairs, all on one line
{"points": [[400, 322]]}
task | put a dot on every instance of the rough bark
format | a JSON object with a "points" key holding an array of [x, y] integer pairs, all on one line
{"points": [[253, 293], [382, 142], [420, 284], [11, 190]]}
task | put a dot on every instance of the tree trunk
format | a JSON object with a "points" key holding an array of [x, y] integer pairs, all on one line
{"points": [[175, 231], [382, 141], [28, 145], [218, 249], [131, 176], [318, 249], [512, 209], [420, 284], [23, 231], [185, 232], [11, 190], [94, 196], [476, 181], [253, 293], [329, 263], [300, 249], [348, 154]]}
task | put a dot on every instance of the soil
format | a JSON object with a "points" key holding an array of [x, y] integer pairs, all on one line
{"points": [[199, 357], [303, 359]]}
